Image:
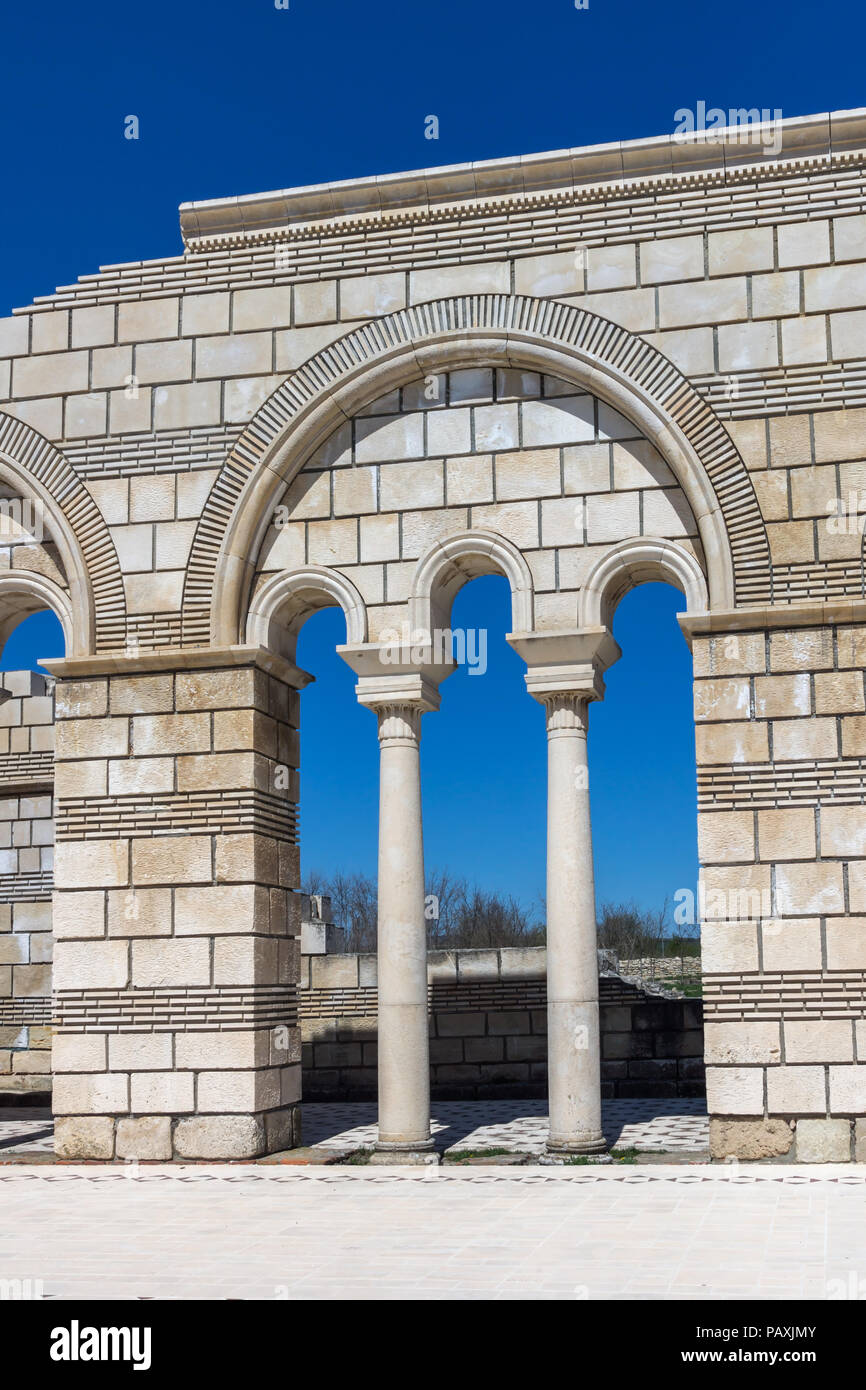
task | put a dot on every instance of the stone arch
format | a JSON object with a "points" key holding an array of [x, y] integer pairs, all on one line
{"points": [[23, 592], [505, 330], [32, 465], [635, 562], [451, 563], [281, 606]]}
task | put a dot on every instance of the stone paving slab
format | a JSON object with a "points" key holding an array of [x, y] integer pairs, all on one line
{"points": [[285, 1233], [519, 1126]]}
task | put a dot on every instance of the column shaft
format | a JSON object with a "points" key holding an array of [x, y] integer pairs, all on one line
{"points": [[572, 960], [404, 1061]]}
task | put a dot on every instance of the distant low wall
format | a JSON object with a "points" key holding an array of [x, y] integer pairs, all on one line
{"points": [[488, 1029]]}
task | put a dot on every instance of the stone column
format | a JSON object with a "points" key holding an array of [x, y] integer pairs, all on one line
{"points": [[565, 673], [403, 1051], [573, 1046], [176, 960], [400, 690]]}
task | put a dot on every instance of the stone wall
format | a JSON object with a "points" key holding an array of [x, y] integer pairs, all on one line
{"points": [[488, 1029], [26, 872]]}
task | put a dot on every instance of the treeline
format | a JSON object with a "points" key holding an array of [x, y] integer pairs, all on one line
{"points": [[463, 915]]}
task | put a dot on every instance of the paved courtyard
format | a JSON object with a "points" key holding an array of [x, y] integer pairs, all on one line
{"points": [[433, 1233], [518, 1126]]}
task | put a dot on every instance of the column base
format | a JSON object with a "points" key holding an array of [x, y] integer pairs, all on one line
{"points": [[380, 1158], [566, 1148]]}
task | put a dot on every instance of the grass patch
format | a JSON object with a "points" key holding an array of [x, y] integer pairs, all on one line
{"points": [[462, 1154]]}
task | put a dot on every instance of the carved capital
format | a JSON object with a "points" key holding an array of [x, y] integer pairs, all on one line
{"points": [[567, 711], [399, 722]]}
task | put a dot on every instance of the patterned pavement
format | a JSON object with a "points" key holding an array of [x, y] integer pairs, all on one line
{"points": [[519, 1126]]}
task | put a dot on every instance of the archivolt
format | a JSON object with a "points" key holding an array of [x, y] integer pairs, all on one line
{"points": [[97, 603], [494, 329]]}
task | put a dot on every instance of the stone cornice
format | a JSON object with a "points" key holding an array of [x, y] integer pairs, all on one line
{"points": [[621, 168], [815, 613], [178, 659]]}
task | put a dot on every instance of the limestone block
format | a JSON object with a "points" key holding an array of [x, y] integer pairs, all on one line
{"points": [[224, 907], [804, 340], [140, 1052], [848, 1089], [611, 267], [270, 307], [562, 522], [185, 407], [712, 302], [95, 1093], [552, 275], [804, 243], [497, 427], [204, 313], [193, 490], [860, 1141], [517, 521], [73, 1052], [88, 863], [86, 699], [729, 947], [84, 1137], [147, 318], [85, 415], [231, 354], [171, 733], [137, 912], [726, 837], [796, 1090], [315, 301], [79, 915], [853, 736], [731, 743], [802, 649], [848, 334], [791, 944], [222, 771], [735, 653], [166, 962], [170, 859], [795, 739], [47, 375], [819, 1040], [368, 296], [846, 941], [567, 420], [638, 464], [158, 1093], [775, 295], [745, 1043], [227, 1092], [92, 738], [151, 497], [823, 1141], [492, 277], [128, 412], [747, 347], [91, 965], [380, 538], [792, 542], [835, 287], [158, 362], [786, 834], [611, 516], [147, 1138], [735, 1090], [218, 1051], [843, 831], [134, 547], [690, 349], [634, 310], [782, 695], [672, 259], [220, 1136], [722, 699], [229, 689], [243, 960], [750, 1139], [809, 889], [333, 542], [741, 250]]}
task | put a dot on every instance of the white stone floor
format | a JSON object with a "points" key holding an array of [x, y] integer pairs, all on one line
{"points": [[520, 1126], [443, 1232]]}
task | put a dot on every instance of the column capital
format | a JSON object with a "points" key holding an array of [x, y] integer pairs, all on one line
{"points": [[393, 677], [568, 663]]}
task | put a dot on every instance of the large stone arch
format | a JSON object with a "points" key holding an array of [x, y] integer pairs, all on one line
{"points": [[96, 616], [492, 329]]}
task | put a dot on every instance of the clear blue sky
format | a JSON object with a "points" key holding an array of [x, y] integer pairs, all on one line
{"points": [[241, 97]]}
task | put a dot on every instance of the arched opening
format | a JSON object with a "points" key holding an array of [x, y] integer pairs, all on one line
{"points": [[30, 633]]}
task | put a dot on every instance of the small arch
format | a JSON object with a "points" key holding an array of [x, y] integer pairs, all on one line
{"points": [[451, 563], [282, 604], [639, 561], [23, 592]]}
